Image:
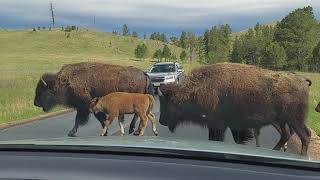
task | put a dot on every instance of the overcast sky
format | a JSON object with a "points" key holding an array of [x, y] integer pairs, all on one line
{"points": [[170, 16]]}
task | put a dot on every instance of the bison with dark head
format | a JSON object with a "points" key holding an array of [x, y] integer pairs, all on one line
{"points": [[318, 107], [75, 85], [240, 97]]}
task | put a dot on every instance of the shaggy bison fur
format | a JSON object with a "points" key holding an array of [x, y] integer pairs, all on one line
{"points": [[239, 97], [118, 103], [318, 107], [75, 85]]}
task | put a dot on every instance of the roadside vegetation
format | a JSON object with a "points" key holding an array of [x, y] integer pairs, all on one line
{"points": [[292, 44]]}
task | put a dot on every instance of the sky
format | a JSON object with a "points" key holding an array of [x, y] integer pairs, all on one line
{"points": [[169, 16]]}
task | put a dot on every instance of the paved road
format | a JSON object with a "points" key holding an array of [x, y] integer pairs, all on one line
{"points": [[59, 126]]}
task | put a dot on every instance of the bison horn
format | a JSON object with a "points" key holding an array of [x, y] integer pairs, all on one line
{"points": [[159, 92], [43, 82]]}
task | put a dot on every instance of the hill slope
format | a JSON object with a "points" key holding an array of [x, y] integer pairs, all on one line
{"points": [[25, 55]]}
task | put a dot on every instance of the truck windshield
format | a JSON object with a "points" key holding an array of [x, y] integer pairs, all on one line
{"points": [[163, 68]]}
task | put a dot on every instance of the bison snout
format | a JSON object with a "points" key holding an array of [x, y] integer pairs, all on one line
{"points": [[36, 103], [163, 122]]}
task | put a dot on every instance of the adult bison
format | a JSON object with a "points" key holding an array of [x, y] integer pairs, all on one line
{"points": [[318, 107], [75, 85], [240, 97]]}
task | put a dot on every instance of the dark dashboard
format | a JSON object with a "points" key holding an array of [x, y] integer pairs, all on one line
{"points": [[64, 165]]}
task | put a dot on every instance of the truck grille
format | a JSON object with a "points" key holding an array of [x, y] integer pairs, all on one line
{"points": [[157, 79]]}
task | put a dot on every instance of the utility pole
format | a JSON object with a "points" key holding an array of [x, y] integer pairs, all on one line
{"points": [[52, 13], [94, 21]]}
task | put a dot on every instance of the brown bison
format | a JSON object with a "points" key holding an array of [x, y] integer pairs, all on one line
{"points": [[119, 103], [239, 97], [318, 107], [75, 85]]}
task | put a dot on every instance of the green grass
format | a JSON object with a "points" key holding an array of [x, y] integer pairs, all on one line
{"points": [[25, 55], [314, 99]]}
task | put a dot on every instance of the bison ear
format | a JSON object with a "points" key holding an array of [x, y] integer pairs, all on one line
{"points": [[48, 80]]}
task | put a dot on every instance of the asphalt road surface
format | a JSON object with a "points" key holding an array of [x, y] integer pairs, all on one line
{"points": [[59, 126]]}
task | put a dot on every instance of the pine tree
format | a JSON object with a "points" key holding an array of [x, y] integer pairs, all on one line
{"points": [[274, 56], [163, 37], [125, 30], [314, 64], [135, 34], [157, 55], [140, 51], [183, 56], [183, 39], [166, 52], [298, 33]]}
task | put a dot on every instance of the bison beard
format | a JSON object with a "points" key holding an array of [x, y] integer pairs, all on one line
{"points": [[239, 97], [76, 84]]}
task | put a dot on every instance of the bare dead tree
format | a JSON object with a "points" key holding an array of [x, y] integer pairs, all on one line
{"points": [[52, 13]]}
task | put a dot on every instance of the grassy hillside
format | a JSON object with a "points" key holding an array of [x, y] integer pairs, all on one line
{"points": [[239, 33], [314, 99], [25, 55]]}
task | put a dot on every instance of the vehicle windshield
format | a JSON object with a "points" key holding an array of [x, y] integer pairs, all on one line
{"points": [[162, 68], [240, 77]]}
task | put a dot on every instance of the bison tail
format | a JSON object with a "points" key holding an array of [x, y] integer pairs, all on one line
{"points": [[309, 81], [148, 87], [151, 103]]}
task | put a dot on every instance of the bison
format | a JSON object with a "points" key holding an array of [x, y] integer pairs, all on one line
{"points": [[75, 85], [117, 103], [318, 107], [240, 97]]}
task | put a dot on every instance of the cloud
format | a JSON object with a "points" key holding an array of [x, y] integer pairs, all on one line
{"points": [[144, 13]]}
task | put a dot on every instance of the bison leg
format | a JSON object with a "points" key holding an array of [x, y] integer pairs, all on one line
{"points": [[143, 124], [133, 124], [241, 136], [152, 117], [121, 120], [288, 132], [216, 134], [257, 132], [101, 118], [304, 134], [81, 119], [107, 123], [285, 136]]}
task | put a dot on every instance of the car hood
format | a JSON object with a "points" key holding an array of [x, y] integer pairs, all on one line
{"points": [[158, 143], [160, 74]]}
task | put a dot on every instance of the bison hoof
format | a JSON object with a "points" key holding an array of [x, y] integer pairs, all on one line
{"points": [[131, 130], [156, 133], [71, 134], [104, 134], [136, 133]]}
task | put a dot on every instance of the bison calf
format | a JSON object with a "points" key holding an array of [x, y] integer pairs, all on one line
{"points": [[120, 103]]}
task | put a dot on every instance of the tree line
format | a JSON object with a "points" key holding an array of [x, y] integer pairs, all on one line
{"points": [[293, 43]]}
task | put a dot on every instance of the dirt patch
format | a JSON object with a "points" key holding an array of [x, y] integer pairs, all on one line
{"points": [[294, 145]]}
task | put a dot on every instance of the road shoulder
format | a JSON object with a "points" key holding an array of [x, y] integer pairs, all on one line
{"points": [[36, 118]]}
